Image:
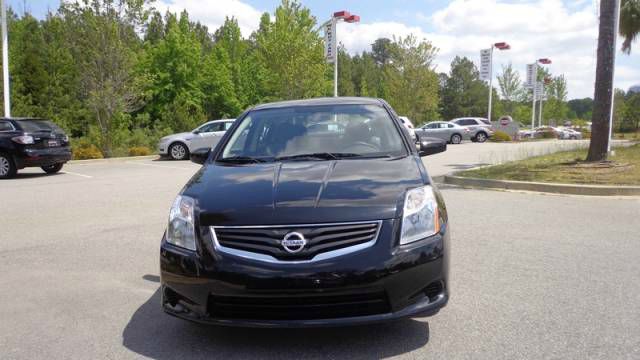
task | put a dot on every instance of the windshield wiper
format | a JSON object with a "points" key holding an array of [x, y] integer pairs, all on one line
{"points": [[241, 159], [320, 156]]}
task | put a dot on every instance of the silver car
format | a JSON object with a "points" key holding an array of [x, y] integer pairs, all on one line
{"points": [[207, 135], [449, 132], [480, 129]]}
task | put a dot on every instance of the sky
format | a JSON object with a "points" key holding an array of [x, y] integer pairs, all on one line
{"points": [[564, 31]]}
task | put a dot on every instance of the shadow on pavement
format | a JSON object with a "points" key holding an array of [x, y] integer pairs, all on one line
{"points": [[152, 333]]}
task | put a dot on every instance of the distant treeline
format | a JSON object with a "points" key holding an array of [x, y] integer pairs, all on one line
{"points": [[118, 74]]}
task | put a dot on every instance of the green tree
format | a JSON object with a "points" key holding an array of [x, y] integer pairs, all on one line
{"points": [[412, 84], [463, 94], [104, 44], [292, 54], [629, 22], [511, 90], [631, 115], [555, 108], [174, 70]]}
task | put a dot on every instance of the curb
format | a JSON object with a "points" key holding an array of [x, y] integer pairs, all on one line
{"points": [[555, 188], [115, 159]]}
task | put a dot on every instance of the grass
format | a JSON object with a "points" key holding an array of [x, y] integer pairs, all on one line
{"points": [[568, 167]]}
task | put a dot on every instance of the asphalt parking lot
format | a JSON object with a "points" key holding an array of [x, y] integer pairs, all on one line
{"points": [[533, 275]]}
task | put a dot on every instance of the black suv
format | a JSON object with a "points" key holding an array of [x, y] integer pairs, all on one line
{"points": [[31, 143], [317, 212]]}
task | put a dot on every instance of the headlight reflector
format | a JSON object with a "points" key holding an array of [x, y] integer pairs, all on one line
{"points": [[181, 228], [420, 216]]}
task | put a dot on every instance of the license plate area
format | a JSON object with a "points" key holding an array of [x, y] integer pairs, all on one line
{"points": [[53, 143]]}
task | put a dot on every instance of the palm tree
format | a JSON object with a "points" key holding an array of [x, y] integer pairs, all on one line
{"points": [[629, 28], [629, 23]]}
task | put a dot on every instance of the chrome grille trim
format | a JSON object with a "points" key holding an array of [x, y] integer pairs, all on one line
{"points": [[319, 257]]}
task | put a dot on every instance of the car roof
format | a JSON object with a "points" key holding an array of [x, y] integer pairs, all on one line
{"points": [[320, 101]]}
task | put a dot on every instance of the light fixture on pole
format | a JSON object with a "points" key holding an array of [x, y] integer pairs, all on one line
{"points": [[331, 41], [5, 61], [486, 69]]}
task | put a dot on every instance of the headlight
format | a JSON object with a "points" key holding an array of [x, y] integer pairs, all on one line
{"points": [[420, 216], [181, 228], [24, 140]]}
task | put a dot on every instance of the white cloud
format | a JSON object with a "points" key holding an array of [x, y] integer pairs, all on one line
{"points": [[213, 13]]}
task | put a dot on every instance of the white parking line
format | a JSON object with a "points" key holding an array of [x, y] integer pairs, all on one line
{"points": [[76, 174], [160, 166]]}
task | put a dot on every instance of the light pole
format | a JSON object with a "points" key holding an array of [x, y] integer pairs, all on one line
{"points": [[613, 73], [500, 46], [331, 41], [534, 80], [5, 61]]}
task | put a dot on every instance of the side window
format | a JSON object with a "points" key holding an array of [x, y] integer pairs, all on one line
{"points": [[227, 125], [5, 126], [432, 126], [443, 125], [468, 122], [450, 126], [211, 127]]}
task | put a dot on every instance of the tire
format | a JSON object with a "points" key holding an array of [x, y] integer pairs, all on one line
{"points": [[178, 151], [456, 139], [53, 169], [481, 137], [7, 167]]}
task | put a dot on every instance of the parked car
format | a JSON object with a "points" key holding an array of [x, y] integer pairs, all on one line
{"points": [[408, 125], [449, 132], [542, 132], [179, 146], [571, 134], [26, 142], [283, 227], [480, 129]]}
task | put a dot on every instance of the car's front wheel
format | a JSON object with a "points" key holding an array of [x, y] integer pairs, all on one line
{"points": [[178, 151], [7, 167], [52, 169], [481, 137], [456, 139]]}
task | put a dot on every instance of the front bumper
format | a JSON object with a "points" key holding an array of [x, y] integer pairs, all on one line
{"points": [[163, 148], [395, 282], [43, 157]]}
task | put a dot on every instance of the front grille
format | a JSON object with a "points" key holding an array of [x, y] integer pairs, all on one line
{"points": [[321, 238], [298, 307]]}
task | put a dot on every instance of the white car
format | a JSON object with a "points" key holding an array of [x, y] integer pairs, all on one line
{"points": [[207, 135], [571, 134], [480, 129]]}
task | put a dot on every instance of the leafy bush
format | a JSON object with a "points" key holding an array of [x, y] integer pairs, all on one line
{"points": [[500, 136], [139, 151], [585, 134], [83, 149]]}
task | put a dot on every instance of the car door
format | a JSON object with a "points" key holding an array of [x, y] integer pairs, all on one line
{"points": [[205, 136], [221, 129]]}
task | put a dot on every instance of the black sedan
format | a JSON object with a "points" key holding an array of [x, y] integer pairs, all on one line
{"points": [[28, 142], [292, 224]]}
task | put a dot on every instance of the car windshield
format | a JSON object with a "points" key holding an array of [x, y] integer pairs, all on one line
{"points": [[32, 126], [318, 132]]}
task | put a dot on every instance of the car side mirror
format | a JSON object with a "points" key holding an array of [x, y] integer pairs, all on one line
{"points": [[429, 146], [196, 131], [200, 156]]}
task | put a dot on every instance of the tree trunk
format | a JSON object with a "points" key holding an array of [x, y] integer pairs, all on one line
{"points": [[604, 82]]}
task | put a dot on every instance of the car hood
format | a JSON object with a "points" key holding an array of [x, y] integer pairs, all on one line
{"points": [[303, 192]]}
